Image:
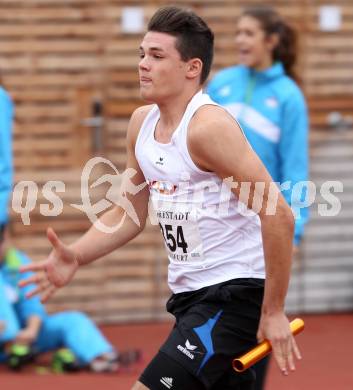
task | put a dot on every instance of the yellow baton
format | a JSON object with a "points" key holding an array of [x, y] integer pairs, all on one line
{"points": [[261, 350]]}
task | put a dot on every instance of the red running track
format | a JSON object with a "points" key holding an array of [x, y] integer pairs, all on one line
{"points": [[326, 345]]}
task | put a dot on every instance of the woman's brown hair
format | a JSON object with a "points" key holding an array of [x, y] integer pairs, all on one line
{"points": [[272, 23]]}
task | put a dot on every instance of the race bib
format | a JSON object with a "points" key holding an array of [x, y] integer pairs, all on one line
{"points": [[181, 234]]}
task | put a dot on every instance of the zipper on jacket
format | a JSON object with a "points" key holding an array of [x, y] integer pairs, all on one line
{"points": [[249, 92]]}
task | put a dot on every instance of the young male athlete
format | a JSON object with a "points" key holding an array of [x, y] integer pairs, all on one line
{"points": [[186, 147]]}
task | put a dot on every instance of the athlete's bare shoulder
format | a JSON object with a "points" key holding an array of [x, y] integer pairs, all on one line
{"points": [[139, 115], [211, 120], [213, 133], [209, 110], [136, 120]]}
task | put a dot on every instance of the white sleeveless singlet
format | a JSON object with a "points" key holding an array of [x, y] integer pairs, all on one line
{"points": [[210, 237]]}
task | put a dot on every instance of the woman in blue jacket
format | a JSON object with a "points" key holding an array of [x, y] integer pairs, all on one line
{"points": [[27, 326], [262, 94]]}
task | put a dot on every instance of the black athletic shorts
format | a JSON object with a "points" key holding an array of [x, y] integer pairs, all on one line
{"points": [[213, 325]]}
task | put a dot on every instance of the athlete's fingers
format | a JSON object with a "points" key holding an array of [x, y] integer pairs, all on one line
{"points": [[290, 355], [41, 288], [279, 357], [44, 284], [48, 293], [34, 279], [296, 349], [34, 267], [37, 291]]}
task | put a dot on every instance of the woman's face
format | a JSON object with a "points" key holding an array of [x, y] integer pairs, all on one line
{"points": [[254, 48]]}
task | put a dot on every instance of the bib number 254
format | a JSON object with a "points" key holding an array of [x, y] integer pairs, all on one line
{"points": [[174, 239]]}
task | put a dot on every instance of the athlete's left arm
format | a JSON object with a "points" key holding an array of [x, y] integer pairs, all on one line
{"points": [[293, 154], [217, 144]]}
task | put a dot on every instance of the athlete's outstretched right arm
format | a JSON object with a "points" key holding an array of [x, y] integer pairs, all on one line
{"points": [[63, 261]]}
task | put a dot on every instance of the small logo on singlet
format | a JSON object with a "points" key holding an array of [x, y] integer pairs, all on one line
{"points": [[160, 161], [167, 382], [186, 350], [163, 187]]}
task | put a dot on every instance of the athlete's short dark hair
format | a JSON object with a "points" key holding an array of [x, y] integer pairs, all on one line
{"points": [[194, 37]]}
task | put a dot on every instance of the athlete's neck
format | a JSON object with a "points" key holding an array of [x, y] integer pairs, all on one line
{"points": [[171, 113]]}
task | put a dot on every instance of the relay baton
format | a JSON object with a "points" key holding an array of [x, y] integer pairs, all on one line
{"points": [[261, 350]]}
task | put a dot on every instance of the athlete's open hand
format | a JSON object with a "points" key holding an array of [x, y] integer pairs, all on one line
{"points": [[276, 329], [56, 271]]}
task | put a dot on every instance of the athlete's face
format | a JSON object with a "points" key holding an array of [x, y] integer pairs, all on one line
{"points": [[162, 72], [254, 48]]}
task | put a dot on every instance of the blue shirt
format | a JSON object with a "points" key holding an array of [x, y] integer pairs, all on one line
{"points": [[10, 276], [271, 110], [6, 166]]}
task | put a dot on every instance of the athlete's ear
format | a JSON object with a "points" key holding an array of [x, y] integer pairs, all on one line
{"points": [[194, 68]]}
